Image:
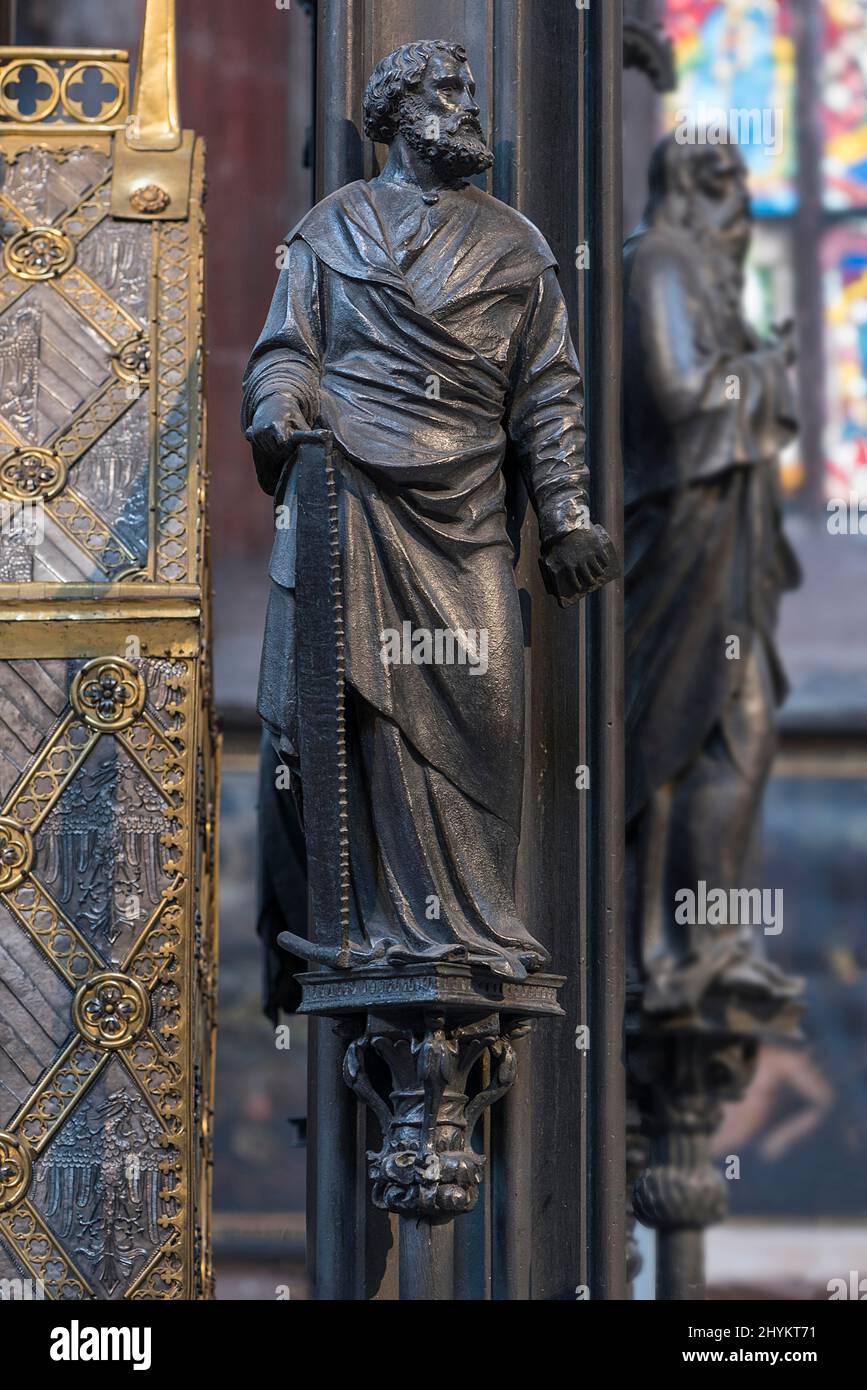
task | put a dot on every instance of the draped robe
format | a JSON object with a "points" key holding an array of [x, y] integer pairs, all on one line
{"points": [[707, 410], [426, 336]]}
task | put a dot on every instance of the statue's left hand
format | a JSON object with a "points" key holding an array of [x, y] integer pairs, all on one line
{"points": [[784, 338], [274, 423], [578, 563]]}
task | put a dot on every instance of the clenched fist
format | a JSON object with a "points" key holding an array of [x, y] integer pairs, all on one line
{"points": [[577, 563], [274, 423]]}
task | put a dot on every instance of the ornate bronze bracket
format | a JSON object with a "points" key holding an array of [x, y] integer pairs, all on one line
{"points": [[445, 1035], [427, 1165]]}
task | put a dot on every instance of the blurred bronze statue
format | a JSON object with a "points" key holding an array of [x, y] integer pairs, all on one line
{"points": [[419, 330], [708, 407]]}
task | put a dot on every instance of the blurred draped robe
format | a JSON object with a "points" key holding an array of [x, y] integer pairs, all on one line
{"points": [[706, 560], [425, 336]]}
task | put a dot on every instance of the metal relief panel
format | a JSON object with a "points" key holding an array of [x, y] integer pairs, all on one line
{"points": [[100, 366], [103, 954], [108, 757]]}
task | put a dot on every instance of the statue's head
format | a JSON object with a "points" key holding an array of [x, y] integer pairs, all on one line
{"points": [[426, 93], [702, 187]]}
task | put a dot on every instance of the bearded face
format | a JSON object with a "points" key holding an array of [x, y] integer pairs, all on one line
{"points": [[454, 144], [721, 192]]}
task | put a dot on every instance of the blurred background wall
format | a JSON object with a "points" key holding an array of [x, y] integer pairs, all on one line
{"points": [[800, 1205]]}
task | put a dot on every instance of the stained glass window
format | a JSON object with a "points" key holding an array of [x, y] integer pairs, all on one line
{"points": [[844, 260], [737, 57], [844, 103]]}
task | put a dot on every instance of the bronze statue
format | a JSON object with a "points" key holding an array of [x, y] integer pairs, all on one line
{"points": [[418, 333], [707, 409]]}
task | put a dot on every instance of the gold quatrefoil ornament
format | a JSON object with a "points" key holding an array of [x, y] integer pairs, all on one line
{"points": [[111, 1010], [15, 1170], [29, 474], [38, 253], [16, 854], [108, 693]]}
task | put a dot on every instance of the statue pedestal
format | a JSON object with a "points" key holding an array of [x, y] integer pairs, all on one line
{"points": [[430, 1049], [457, 990], [683, 1067]]}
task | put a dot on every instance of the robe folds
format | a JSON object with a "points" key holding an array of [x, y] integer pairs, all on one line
{"points": [[707, 410], [427, 337]]}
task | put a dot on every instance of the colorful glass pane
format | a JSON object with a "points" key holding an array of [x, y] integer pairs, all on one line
{"points": [[844, 258], [844, 103], [737, 57]]}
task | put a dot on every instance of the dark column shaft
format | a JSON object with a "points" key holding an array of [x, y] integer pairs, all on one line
{"points": [[426, 1261], [810, 309], [604, 213], [332, 1235], [512, 1206], [527, 62], [680, 1266], [7, 21]]}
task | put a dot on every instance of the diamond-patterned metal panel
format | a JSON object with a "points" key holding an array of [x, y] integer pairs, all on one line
{"points": [[108, 759], [35, 1022], [100, 853], [98, 1185], [100, 360], [105, 866], [52, 363]]}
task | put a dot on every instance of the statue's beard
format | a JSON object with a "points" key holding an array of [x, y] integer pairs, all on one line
{"points": [[458, 152], [729, 238]]}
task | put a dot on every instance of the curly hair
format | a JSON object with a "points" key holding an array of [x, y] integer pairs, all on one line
{"points": [[400, 72]]}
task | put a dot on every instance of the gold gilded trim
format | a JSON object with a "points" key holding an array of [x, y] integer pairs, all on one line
{"points": [[155, 123], [45, 76], [38, 253], [16, 1170], [115, 75], [108, 695], [60, 1090], [54, 934], [16, 854], [57, 112], [38, 1251], [29, 473], [111, 1010]]}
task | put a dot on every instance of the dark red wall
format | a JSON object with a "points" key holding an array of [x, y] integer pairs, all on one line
{"points": [[246, 87]]}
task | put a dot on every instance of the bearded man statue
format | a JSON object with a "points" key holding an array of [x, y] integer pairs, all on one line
{"points": [[420, 322], [707, 409]]}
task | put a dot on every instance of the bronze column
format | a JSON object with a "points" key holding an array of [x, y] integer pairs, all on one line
{"points": [[527, 61]]}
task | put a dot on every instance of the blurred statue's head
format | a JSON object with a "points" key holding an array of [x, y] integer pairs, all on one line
{"points": [[425, 92], [703, 187]]}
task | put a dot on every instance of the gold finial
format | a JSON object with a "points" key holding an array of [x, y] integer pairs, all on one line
{"points": [[155, 123]]}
